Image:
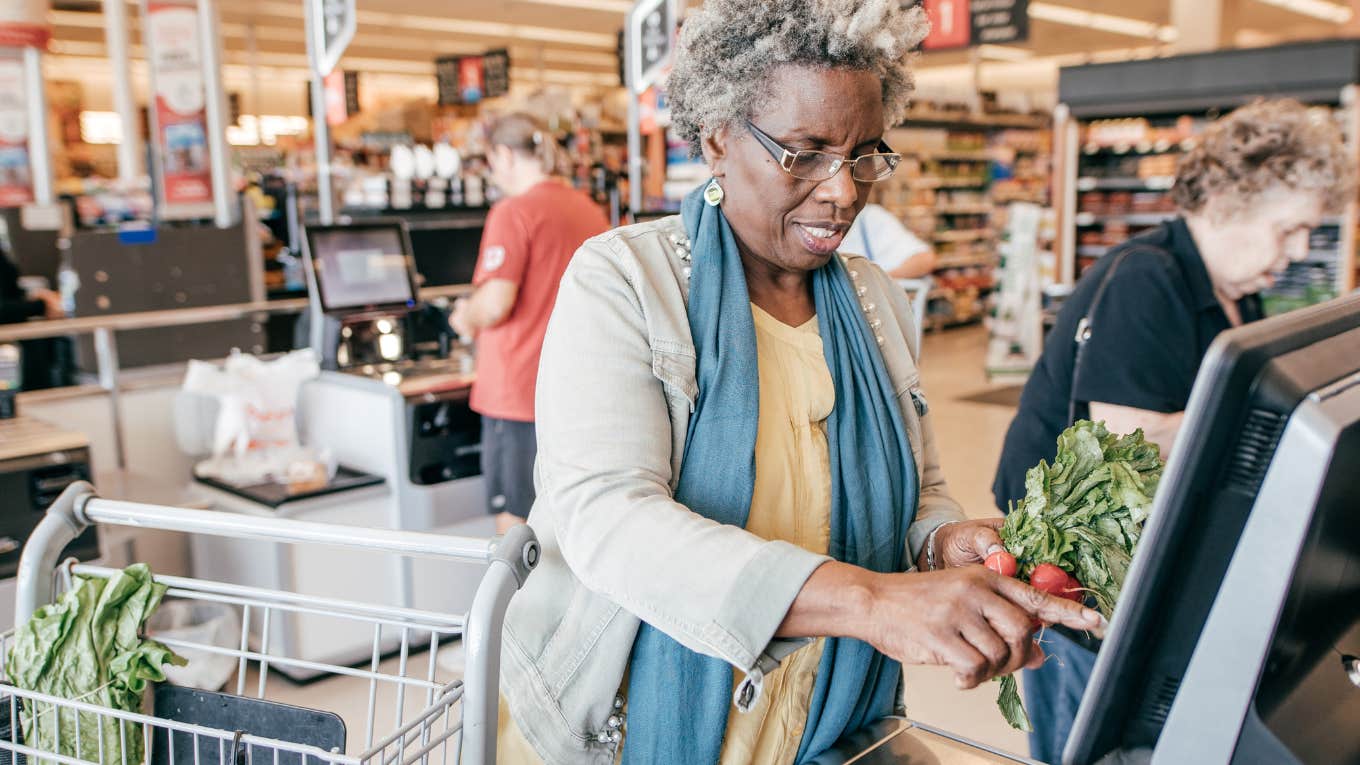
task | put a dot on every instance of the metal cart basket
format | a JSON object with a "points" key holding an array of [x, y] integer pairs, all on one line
{"points": [[455, 722]]}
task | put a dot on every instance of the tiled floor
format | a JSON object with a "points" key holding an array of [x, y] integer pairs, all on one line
{"points": [[970, 437]]}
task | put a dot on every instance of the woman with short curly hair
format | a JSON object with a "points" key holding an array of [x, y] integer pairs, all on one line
{"points": [[1129, 341], [744, 526]]}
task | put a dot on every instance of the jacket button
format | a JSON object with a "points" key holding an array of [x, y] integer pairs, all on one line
{"points": [[876, 323], [854, 274], [686, 271], [618, 702], [613, 722], [862, 291], [615, 737], [879, 339]]}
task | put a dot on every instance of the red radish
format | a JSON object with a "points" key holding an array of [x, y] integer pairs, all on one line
{"points": [[1002, 563], [1049, 578], [1073, 590]]}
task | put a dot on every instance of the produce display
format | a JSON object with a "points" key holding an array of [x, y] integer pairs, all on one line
{"points": [[88, 646], [1075, 532]]}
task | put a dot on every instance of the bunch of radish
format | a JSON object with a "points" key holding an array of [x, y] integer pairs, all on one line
{"points": [[1046, 577]]}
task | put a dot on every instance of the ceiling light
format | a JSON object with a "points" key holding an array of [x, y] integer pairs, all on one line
{"points": [[1318, 9], [1104, 22], [1004, 52]]}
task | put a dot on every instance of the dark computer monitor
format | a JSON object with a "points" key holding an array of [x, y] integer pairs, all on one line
{"points": [[1243, 600], [446, 253], [362, 267]]}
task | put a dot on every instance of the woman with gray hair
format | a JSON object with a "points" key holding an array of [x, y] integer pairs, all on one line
{"points": [[745, 529], [1129, 341]]}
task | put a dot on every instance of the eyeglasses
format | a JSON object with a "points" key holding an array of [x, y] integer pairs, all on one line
{"points": [[810, 165]]}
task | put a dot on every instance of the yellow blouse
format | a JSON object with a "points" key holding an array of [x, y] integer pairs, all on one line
{"points": [[791, 502]]}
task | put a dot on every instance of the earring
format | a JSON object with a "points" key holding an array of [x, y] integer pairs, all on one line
{"points": [[713, 193]]}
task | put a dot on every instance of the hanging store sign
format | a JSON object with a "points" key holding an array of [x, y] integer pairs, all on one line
{"points": [[16, 174], [23, 24], [332, 30], [963, 23], [651, 40], [180, 113], [333, 85], [999, 21], [950, 24], [496, 73]]}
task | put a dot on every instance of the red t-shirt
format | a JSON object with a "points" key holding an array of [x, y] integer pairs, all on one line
{"points": [[528, 240]]}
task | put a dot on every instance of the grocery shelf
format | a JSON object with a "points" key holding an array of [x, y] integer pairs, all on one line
{"points": [[981, 261], [1133, 219], [952, 155], [1154, 183], [1137, 150], [927, 117], [964, 210], [927, 182], [963, 236]]}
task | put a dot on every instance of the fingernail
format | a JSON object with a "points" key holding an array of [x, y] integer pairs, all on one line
{"points": [[994, 549]]}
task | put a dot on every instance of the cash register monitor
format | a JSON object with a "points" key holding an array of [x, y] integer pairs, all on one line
{"points": [[447, 254], [362, 267], [1271, 441]]}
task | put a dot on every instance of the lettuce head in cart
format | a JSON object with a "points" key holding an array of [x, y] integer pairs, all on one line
{"points": [[88, 646]]}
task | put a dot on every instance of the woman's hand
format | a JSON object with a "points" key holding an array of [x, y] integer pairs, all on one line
{"points": [[974, 621], [965, 543]]}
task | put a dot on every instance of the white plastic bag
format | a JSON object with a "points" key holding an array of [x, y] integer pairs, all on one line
{"points": [[255, 437]]}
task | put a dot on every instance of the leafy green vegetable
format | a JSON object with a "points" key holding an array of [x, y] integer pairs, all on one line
{"points": [[88, 646], [1084, 514], [1011, 705]]}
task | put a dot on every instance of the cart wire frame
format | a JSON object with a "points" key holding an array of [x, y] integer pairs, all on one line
{"points": [[431, 735]]}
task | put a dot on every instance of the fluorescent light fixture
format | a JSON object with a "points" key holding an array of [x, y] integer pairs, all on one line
{"points": [[1004, 52], [101, 128], [1318, 9], [1104, 22]]}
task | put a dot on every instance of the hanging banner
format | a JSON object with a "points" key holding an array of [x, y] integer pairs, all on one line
{"points": [[333, 34], [16, 175], [470, 79], [180, 113], [23, 24], [652, 38], [333, 85], [950, 24]]}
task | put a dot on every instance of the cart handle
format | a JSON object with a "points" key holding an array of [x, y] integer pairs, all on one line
{"points": [[79, 507]]}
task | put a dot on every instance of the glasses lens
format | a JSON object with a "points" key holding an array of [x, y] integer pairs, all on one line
{"points": [[814, 165], [875, 167]]}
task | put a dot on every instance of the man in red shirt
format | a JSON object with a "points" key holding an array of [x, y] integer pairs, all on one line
{"points": [[529, 238]]}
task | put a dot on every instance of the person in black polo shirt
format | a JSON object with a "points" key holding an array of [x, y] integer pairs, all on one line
{"points": [[1249, 193]]}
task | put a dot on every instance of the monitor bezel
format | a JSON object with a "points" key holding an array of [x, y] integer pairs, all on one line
{"points": [[1229, 380], [318, 269]]}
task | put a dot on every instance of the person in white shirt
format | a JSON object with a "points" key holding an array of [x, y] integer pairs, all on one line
{"points": [[879, 236]]}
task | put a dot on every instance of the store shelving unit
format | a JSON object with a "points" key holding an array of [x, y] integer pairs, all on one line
{"points": [[1120, 129], [957, 169]]}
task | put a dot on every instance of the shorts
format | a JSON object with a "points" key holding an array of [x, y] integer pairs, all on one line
{"points": [[509, 448]]}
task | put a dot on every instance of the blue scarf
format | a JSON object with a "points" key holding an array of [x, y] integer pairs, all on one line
{"points": [[678, 700]]}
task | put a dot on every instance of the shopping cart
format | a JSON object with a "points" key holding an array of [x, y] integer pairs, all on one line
{"points": [[456, 721]]}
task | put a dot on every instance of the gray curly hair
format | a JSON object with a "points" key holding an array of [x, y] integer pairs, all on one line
{"points": [[728, 50], [1262, 146]]}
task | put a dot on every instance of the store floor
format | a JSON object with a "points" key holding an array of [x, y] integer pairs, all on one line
{"points": [[971, 417], [970, 435]]}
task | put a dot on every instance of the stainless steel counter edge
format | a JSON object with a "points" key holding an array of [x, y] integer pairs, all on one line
{"points": [[84, 325]]}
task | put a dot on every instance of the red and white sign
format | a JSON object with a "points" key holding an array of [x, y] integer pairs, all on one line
{"points": [[950, 24], [334, 89], [181, 115], [16, 174], [23, 24]]}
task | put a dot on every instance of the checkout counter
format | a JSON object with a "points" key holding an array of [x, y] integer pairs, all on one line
{"points": [[391, 408]]}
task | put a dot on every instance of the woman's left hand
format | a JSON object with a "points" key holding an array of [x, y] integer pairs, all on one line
{"points": [[967, 543]]}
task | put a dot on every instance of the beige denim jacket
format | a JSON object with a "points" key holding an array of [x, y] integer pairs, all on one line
{"points": [[616, 387]]}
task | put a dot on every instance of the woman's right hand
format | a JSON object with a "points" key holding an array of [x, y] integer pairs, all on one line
{"points": [[974, 621]]}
